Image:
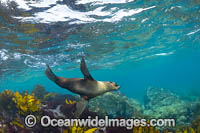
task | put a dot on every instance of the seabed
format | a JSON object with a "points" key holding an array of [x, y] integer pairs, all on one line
{"points": [[158, 103]]}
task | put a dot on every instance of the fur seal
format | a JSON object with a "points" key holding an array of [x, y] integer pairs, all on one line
{"points": [[86, 87]]}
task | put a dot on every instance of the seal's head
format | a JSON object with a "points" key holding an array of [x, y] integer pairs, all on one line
{"points": [[112, 86]]}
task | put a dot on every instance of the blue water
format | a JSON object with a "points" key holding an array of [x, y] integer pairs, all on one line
{"points": [[134, 43], [178, 72]]}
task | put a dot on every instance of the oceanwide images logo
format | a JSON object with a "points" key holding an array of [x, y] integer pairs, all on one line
{"points": [[47, 121]]}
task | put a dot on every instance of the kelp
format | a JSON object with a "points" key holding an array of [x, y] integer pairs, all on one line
{"points": [[16, 105], [26, 103]]}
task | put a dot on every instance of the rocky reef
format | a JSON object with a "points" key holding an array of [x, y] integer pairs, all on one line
{"points": [[115, 104], [158, 103], [162, 103]]}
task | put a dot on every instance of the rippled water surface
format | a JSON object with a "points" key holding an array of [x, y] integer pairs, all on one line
{"points": [[136, 43]]}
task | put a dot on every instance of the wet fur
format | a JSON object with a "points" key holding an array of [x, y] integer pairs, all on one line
{"points": [[87, 87], [83, 87]]}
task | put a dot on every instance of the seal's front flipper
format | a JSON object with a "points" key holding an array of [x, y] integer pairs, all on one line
{"points": [[50, 74], [85, 71], [80, 107]]}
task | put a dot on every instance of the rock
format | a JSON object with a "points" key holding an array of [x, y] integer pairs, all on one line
{"points": [[162, 103], [115, 105], [39, 91], [161, 96]]}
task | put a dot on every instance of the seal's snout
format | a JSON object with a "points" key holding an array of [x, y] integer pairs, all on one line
{"points": [[116, 86]]}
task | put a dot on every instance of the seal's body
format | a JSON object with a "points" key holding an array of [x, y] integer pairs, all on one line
{"points": [[84, 87], [87, 87]]}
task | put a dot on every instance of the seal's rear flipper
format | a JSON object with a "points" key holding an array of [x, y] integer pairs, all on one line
{"points": [[50, 74], [85, 71], [80, 107]]}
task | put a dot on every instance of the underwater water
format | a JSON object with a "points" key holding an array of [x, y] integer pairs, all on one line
{"points": [[134, 43], [150, 48]]}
